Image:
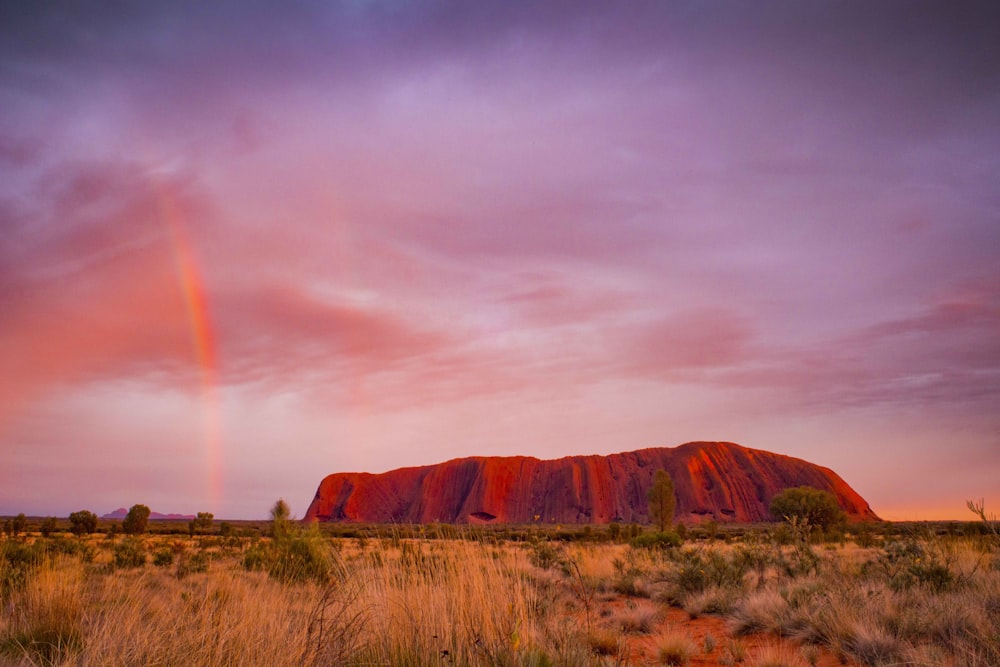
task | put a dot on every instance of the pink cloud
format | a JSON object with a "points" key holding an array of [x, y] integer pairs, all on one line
{"points": [[446, 217]]}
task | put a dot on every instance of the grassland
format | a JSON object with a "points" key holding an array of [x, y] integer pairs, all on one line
{"points": [[442, 596]]}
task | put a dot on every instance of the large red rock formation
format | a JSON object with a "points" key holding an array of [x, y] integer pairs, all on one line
{"points": [[712, 480]]}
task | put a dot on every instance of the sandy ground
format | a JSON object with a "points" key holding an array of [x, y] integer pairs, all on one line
{"points": [[643, 648]]}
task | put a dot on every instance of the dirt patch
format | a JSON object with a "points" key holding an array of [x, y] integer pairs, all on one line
{"points": [[711, 641]]}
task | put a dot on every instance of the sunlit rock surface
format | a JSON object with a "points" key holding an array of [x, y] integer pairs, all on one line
{"points": [[713, 480]]}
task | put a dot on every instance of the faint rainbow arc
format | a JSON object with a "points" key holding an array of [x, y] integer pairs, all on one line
{"points": [[203, 338]]}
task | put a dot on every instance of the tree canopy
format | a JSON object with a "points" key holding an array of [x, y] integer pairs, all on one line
{"points": [[136, 519], [662, 501], [805, 503], [82, 522]]}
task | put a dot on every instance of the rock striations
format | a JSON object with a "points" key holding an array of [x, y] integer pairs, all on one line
{"points": [[712, 480]]}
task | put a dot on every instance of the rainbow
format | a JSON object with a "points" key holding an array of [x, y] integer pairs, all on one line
{"points": [[203, 337]]}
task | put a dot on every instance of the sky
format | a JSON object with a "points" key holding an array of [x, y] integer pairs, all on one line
{"points": [[244, 245]]}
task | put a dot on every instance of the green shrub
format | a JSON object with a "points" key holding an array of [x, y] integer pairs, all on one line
{"points": [[296, 556], [300, 557], [82, 522], [18, 525], [545, 556], [614, 531], [864, 535], [17, 561], [68, 547], [136, 519], [909, 563], [819, 509], [662, 540], [698, 569], [130, 552], [256, 557], [163, 557], [193, 563], [48, 526]]}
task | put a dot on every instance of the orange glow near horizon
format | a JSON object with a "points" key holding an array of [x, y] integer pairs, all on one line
{"points": [[203, 339], [241, 262]]}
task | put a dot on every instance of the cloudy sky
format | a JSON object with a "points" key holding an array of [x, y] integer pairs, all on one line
{"points": [[244, 245]]}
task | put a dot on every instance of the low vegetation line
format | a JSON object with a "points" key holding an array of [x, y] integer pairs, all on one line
{"points": [[281, 593]]}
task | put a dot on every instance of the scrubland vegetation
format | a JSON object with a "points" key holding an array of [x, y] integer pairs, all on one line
{"points": [[771, 595]]}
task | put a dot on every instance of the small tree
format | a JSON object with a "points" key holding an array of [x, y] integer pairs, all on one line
{"points": [[19, 524], [280, 520], [48, 526], [818, 509], [201, 523], [662, 501], [136, 519], [989, 520], [614, 531], [82, 522]]}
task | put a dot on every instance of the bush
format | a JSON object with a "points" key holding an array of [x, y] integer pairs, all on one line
{"points": [[191, 564], [48, 526], [864, 535], [545, 556], [301, 557], [130, 552], [663, 540], [819, 509], [60, 545], [909, 563], [700, 569], [82, 522], [256, 557], [614, 531], [163, 558], [281, 524], [201, 524], [17, 562], [136, 519], [296, 556]]}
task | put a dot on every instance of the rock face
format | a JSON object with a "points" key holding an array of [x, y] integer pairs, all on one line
{"points": [[712, 480]]}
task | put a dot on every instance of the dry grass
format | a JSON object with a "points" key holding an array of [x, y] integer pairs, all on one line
{"points": [[735, 653], [637, 618], [413, 602], [776, 656], [675, 648], [44, 620], [712, 600], [761, 611]]}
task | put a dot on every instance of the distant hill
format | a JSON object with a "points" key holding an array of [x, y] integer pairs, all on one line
{"points": [[712, 480], [121, 513]]}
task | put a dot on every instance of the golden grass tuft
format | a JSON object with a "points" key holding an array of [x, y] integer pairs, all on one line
{"points": [[455, 601], [773, 655], [761, 611], [675, 648], [43, 622], [640, 619]]}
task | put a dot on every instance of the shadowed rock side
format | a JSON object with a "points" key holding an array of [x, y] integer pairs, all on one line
{"points": [[712, 480]]}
